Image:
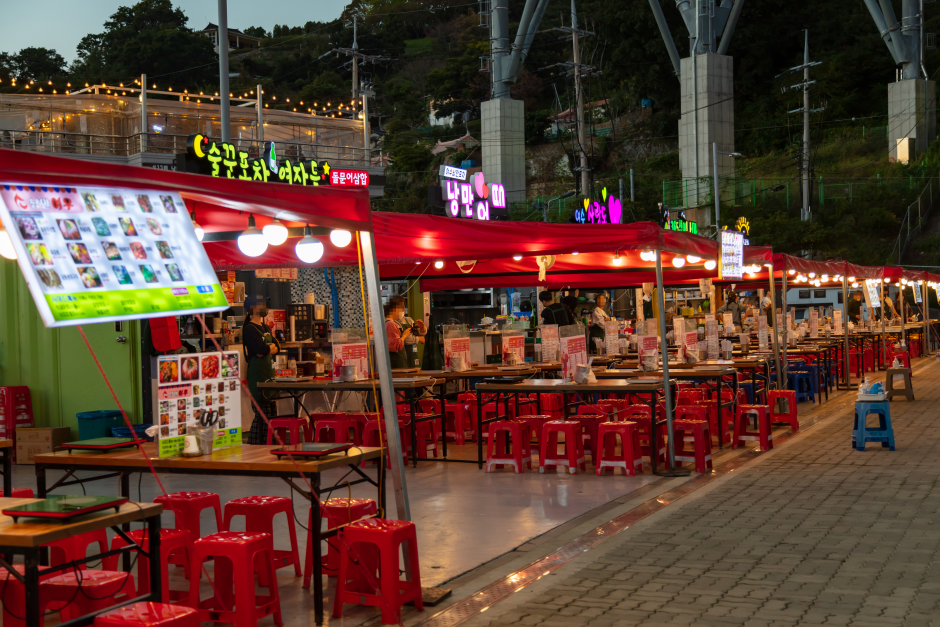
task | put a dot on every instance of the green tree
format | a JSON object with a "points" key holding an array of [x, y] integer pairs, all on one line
{"points": [[256, 31], [38, 64]]}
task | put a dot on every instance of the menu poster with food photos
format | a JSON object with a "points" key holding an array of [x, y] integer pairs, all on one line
{"points": [[107, 254], [194, 387]]}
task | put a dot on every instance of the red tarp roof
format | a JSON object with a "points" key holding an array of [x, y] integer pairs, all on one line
{"points": [[323, 206]]}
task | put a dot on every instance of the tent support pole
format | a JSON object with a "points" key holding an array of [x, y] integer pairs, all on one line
{"points": [[672, 471], [782, 383], [884, 337], [385, 375], [773, 309], [845, 318]]}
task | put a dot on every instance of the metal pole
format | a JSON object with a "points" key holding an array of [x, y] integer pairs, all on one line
{"points": [[260, 108], [884, 337], [223, 73], [385, 376], [717, 197], [845, 320], [773, 308], [695, 102], [786, 328], [903, 316], [621, 199], [664, 347], [806, 182], [366, 130], [585, 179], [632, 195], [923, 322], [144, 125]]}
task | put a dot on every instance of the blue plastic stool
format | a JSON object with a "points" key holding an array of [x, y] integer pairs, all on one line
{"points": [[861, 434], [801, 382], [746, 385]]}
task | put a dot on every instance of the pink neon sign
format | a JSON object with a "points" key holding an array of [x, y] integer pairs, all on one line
{"points": [[474, 198]]}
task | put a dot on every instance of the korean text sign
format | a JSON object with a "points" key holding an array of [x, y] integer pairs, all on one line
{"points": [[573, 352], [92, 254]]}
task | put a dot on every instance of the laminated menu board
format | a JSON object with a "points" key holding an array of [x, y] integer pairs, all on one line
{"points": [[513, 347], [456, 348], [350, 348], [813, 322], [762, 332], [611, 337], [573, 350], [193, 387], [92, 254], [549, 341]]}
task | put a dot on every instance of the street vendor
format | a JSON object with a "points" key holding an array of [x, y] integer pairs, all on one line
{"points": [[552, 312], [260, 348], [403, 334], [767, 308], [733, 307], [598, 318], [855, 308]]}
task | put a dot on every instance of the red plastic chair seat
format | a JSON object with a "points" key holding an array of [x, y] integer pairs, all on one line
{"points": [[148, 614]]}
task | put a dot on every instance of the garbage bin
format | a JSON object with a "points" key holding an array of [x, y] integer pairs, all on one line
{"points": [[125, 432], [98, 424]]}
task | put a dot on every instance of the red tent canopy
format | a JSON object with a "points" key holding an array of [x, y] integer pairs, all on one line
{"points": [[216, 199]]}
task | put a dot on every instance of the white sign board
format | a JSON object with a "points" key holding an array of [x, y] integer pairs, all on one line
{"points": [[732, 255]]}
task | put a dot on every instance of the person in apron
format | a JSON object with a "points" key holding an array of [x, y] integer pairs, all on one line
{"points": [[260, 347], [402, 352], [598, 318]]}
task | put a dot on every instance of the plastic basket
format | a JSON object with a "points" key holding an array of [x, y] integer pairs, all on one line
{"points": [[98, 424], [125, 432]]}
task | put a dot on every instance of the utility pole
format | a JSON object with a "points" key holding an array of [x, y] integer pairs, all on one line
{"points": [[585, 171], [144, 124], [355, 69], [632, 196], [260, 119], [223, 72]]}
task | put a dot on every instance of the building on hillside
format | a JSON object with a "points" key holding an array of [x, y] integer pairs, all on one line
{"points": [[237, 40], [448, 120], [568, 119], [106, 127]]}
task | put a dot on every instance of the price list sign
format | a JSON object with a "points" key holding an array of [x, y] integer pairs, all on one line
{"points": [[108, 254]]}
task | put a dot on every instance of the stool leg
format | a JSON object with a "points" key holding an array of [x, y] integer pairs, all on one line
{"points": [[291, 529]]}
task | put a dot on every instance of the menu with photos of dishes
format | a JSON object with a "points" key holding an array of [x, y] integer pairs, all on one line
{"points": [[573, 352], [105, 254], [195, 387]]}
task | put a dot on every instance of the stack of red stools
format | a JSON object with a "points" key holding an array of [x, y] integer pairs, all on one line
{"points": [[16, 411], [338, 512], [337, 427], [186, 508]]}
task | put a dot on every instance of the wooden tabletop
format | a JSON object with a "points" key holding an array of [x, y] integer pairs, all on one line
{"points": [[365, 385], [6, 443], [33, 532], [548, 386], [253, 458], [475, 373]]}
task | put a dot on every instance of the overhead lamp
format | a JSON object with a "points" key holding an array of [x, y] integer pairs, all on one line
{"points": [[340, 238], [252, 242], [517, 257], [887, 280], [812, 275], [693, 258], [617, 260], [438, 264], [678, 261], [791, 271], [711, 264], [855, 284], [275, 233], [816, 283], [575, 253], [6, 244], [825, 278], [309, 249], [200, 232], [648, 255]]}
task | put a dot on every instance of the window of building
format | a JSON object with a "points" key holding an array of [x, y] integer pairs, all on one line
{"points": [[819, 293], [804, 293]]}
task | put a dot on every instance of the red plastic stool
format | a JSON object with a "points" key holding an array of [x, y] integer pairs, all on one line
{"points": [[171, 541], [337, 430], [235, 600], [86, 591], [187, 506], [520, 454], [701, 452], [689, 396], [76, 547], [459, 422], [635, 411], [338, 512], [387, 536], [763, 433], [630, 458], [427, 433], [614, 408], [789, 416], [430, 405], [589, 424], [645, 430], [536, 424], [259, 513], [19, 493], [573, 457], [148, 614], [362, 419], [711, 414], [13, 599], [292, 427], [370, 438]]}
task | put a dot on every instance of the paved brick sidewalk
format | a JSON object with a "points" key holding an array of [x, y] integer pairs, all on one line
{"points": [[814, 534]]}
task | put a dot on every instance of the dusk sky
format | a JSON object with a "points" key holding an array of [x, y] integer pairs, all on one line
{"points": [[26, 23]]}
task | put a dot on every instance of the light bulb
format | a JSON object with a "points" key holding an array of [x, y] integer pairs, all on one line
{"points": [[855, 284], [678, 261], [517, 257], [309, 249], [275, 233], [575, 253], [851, 279], [791, 271], [887, 280], [812, 275], [340, 238], [200, 232], [693, 258], [6, 244], [711, 264], [825, 277], [252, 242], [617, 259], [438, 264]]}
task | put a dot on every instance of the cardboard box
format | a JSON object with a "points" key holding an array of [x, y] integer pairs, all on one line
{"points": [[39, 440]]}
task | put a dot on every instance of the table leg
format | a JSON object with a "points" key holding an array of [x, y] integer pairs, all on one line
{"points": [[721, 418], [317, 558], [654, 429], [156, 572], [8, 471], [442, 401], [31, 574], [414, 428], [126, 493], [40, 481], [479, 430]]}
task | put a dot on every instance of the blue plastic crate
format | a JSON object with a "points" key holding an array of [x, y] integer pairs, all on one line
{"points": [[98, 424], [125, 432]]}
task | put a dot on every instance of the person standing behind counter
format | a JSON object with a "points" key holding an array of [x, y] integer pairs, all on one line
{"points": [[598, 318], [733, 308], [260, 346], [552, 312], [403, 335]]}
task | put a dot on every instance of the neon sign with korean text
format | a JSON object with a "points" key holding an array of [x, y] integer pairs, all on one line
{"points": [[224, 160], [606, 212], [473, 199], [349, 178]]}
